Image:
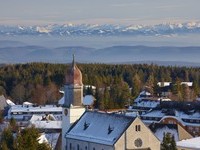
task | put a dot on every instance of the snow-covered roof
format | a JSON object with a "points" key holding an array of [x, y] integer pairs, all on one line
{"points": [[61, 101], [164, 99], [148, 103], [100, 127], [41, 122], [27, 104], [9, 102], [61, 91], [88, 100], [145, 93], [45, 108], [42, 139], [43, 117], [193, 143], [195, 115], [154, 113], [50, 138], [187, 83], [163, 84], [160, 129]]}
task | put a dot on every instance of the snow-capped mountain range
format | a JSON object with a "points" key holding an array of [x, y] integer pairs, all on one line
{"points": [[101, 30]]}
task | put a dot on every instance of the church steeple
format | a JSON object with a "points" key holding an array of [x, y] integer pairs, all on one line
{"points": [[73, 86], [73, 61], [73, 74]]}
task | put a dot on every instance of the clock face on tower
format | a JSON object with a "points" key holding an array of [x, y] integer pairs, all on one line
{"points": [[138, 142], [66, 111]]}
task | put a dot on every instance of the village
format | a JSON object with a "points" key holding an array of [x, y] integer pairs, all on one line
{"points": [[74, 124]]}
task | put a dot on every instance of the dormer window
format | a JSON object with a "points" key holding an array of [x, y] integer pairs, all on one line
{"points": [[86, 125], [110, 129]]}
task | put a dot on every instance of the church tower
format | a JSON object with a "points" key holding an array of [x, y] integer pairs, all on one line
{"points": [[73, 86], [73, 99]]}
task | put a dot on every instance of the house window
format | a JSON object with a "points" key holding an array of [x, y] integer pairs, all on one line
{"points": [[85, 147], [93, 148], [137, 128]]}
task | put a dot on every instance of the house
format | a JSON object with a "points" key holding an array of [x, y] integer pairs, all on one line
{"points": [[47, 123], [23, 113], [186, 114], [110, 131], [189, 144], [176, 130]]}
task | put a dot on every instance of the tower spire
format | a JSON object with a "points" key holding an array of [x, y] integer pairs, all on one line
{"points": [[73, 61]]}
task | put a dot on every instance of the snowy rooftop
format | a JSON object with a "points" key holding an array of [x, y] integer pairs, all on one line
{"points": [[9, 102], [148, 103], [100, 127], [45, 122], [145, 93], [195, 115], [27, 104], [187, 83], [61, 101], [160, 129], [193, 143], [163, 84], [154, 113], [50, 138], [45, 108]]}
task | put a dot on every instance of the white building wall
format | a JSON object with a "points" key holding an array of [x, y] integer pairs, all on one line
{"points": [[70, 115], [73, 144], [149, 140]]}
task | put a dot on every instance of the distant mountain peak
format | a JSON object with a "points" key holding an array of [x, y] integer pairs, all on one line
{"points": [[102, 30]]}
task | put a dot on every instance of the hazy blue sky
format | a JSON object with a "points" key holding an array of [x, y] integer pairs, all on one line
{"points": [[98, 11]]}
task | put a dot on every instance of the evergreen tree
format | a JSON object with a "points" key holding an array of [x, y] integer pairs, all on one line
{"points": [[28, 140], [136, 85], [13, 124], [168, 142], [7, 139]]}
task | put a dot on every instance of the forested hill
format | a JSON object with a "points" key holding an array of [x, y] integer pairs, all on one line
{"points": [[180, 56], [40, 82]]}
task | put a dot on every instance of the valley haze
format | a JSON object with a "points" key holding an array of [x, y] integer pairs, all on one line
{"points": [[162, 44]]}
